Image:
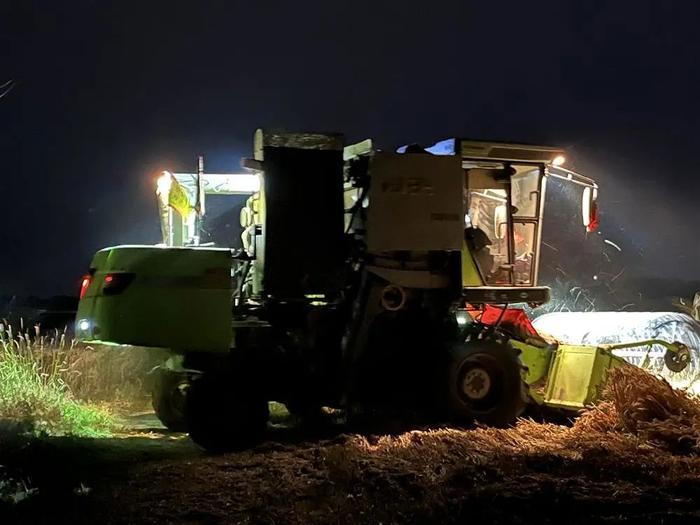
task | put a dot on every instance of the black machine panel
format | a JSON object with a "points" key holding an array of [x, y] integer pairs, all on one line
{"points": [[304, 241]]}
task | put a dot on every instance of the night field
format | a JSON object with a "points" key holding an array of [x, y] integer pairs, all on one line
{"points": [[349, 262], [632, 460]]}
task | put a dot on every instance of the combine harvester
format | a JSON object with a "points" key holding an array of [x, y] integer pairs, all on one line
{"points": [[379, 283]]}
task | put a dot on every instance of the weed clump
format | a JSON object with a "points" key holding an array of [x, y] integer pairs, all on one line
{"points": [[34, 392]]}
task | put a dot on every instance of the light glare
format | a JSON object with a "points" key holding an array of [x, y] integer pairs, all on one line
{"points": [[164, 183], [462, 317]]}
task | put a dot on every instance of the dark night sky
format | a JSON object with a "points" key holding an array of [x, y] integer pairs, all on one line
{"points": [[108, 93]]}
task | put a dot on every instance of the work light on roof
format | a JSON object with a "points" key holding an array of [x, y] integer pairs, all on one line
{"points": [[164, 183]]}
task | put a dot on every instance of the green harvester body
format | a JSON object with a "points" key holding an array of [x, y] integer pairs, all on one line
{"points": [[354, 286]]}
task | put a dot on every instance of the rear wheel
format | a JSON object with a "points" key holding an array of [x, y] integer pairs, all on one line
{"points": [[309, 415], [168, 399], [485, 383], [221, 417]]}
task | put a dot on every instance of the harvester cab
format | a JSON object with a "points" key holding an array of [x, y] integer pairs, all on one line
{"points": [[367, 280]]}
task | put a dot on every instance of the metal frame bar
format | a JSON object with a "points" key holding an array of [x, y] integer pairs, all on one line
{"points": [[672, 347], [571, 176], [542, 196], [511, 228]]}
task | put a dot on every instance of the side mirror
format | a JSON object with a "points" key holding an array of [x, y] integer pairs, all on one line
{"points": [[589, 209]]}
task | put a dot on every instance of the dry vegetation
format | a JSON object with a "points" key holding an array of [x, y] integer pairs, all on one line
{"points": [[56, 385], [644, 424], [642, 443], [641, 411], [633, 458]]}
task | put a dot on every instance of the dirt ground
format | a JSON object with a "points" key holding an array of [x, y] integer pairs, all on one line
{"points": [[148, 475]]}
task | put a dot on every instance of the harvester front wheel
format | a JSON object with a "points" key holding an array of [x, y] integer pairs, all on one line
{"points": [[221, 417], [168, 399], [486, 383]]}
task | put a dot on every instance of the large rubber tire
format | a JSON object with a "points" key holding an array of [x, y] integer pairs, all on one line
{"points": [[168, 395], [221, 418], [486, 383], [308, 414]]}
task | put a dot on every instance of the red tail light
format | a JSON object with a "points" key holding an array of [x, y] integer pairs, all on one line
{"points": [[84, 284], [116, 283]]}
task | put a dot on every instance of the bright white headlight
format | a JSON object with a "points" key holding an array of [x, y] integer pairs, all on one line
{"points": [[463, 318]]}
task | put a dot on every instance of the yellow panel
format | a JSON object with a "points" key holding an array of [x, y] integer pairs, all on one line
{"points": [[470, 273], [570, 379]]}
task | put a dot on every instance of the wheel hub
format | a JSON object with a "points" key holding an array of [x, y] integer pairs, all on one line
{"points": [[476, 384]]}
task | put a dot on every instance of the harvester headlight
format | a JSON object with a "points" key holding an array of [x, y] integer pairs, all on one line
{"points": [[463, 318], [83, 325], [559, 160]]}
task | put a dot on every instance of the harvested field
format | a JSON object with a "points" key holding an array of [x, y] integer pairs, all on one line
{"points": [[632, 459]]}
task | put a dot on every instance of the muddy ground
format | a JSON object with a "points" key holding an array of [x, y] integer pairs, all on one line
{"points": [[148, 475]]}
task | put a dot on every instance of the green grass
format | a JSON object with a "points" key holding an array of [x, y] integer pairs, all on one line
{"points": [[34, 389]]}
